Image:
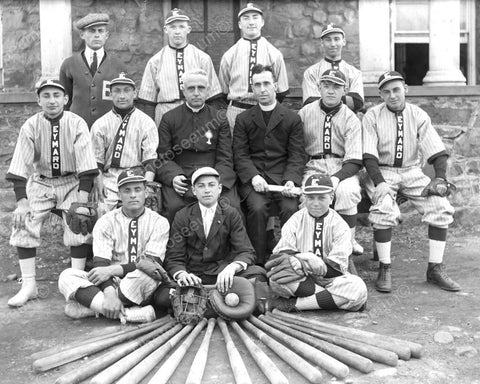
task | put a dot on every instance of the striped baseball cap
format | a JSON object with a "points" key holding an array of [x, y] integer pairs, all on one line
{"points": [[50, 83], [317, 184], [331, 28], [134, 175], [122, 79], [389, 76], [250, 7], [335, 76], [176, 14]]}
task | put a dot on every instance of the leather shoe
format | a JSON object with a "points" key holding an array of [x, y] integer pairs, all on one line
{"points": [[436, 274], [280, 303], [384, 278]]}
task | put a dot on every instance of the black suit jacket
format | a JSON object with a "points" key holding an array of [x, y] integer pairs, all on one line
{"points": [[275, 152], [189, 250]]}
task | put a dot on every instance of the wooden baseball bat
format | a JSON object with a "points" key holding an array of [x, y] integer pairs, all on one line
{"points": [[302, 366], [268, 367], [64, 347], [341, 354], [58, 359], [305, 350], [279, 188], [142, 369], [239, 370], [402, 348], [169, 366], [369, 351], [198, 365], [116, 370], [81, 373]]}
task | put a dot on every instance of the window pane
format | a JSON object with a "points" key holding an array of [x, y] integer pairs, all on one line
{"points": [[412, 15], [411, 60]]}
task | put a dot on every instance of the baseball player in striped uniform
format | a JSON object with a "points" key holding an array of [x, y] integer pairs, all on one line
{"points": [[123, 138], [161, 88], [235, 72], [397, 136], [57, 146], [315, 243], [333, 140], [333, 41], [123, 241]]}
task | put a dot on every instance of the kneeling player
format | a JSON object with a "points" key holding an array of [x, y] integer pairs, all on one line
{"points": [[129, 246], [308, 268]]}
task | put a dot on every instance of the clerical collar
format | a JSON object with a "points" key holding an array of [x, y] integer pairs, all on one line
{"points": [[334, 109], [176, 49], [252, 40], [332, 61], [53, 119], [133, 217], [320, 217], [267, 108], [195, 110], [123, 111]]}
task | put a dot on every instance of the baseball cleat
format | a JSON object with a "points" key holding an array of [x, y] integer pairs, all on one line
{"points": [[27, 292], [280, 303], [384, 278], [436, 274], [139, 314], [75, 310]]}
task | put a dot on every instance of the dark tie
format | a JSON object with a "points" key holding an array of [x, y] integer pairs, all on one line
{"points": [[94, 65]]}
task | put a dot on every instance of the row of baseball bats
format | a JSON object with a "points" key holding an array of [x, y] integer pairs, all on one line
{"points": [[305, 344]]}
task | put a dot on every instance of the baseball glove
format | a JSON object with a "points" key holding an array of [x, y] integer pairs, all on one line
{"points": [[247, 302], [189, 303], [284, 268], [81, 217], [153, 269], [438, 187], [154, 196]]}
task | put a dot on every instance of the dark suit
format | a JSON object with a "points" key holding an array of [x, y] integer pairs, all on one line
{"points": [[276, 152], [184, 146]]}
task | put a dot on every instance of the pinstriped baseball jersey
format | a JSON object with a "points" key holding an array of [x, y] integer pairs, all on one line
{"points": [[160, 82], [380, 138], [234, 73], [345, 136], [111, 236], [139, 145], [39, 144], [312, 75], [298, 231]]}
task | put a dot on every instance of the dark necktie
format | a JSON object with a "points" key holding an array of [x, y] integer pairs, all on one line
{"points": [[94, 65]]}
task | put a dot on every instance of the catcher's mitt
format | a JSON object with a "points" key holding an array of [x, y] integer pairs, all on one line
{"points": [[81, 217], [154, 196], [438, 187], [245, 291], [189, 303], [154, 270]]}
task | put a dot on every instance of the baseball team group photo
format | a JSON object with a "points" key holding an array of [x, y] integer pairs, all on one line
{"points": [[213, 223]]}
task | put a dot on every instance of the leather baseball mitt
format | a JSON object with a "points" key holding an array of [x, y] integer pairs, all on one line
{"points": [[438, 187], [189, 303], [284, 268], [81, 217], [154, 196], [245, 291], [153, 269]]}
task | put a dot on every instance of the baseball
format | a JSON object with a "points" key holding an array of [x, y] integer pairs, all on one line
{"points": [[232, 299]]}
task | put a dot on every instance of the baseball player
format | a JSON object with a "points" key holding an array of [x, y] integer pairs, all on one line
{"points": [[161, 88], [123, 138], [333, 40], [308, 268], [397, 136], [129, 247], [57, 146], [235, 73], [333, 141], [86, 74]]}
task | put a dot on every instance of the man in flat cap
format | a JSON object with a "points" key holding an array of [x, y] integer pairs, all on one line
{"points": [[333, 41], [124, 137], [161, 88], [235, 73], [86, 74]]}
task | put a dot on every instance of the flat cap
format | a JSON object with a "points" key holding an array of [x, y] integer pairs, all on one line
{"points": [[204, 171], [50, 83], [317, 184], [122, 79], [92, 19], [331, 28], [250, 7], [334, 75], [134, 175], [389, 76], [176, 14]]}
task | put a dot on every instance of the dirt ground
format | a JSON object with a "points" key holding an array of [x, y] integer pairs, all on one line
{"points": [[414, 311]]}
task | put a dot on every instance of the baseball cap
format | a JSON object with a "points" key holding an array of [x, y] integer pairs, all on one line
{"points": [[250, 7], [50, 83], [176, 14], [204, 171], [317, 184], [92, 19], [331, 28], [389, 76], [130, 176], [334, 75], [122, 79]]}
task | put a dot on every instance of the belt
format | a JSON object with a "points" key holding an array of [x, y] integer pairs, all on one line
{"points": [[238, 104], [43, 177], [322, 156]]}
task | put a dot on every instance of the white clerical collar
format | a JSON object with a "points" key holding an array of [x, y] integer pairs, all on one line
{"points": [[203, 208], [267, 108], [194, 110], [89, 55]]}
